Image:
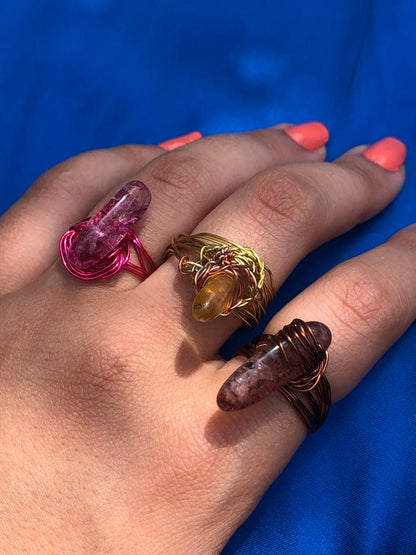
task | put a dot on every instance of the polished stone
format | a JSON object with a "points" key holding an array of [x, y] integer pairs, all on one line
{"points": [[215, 297], [104, 231], [267, 370]]}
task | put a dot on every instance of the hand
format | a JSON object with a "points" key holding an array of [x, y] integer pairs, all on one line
{"points": [[111, 438]]}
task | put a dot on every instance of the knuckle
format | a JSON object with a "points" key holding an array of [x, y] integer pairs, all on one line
{"points": [[136, 154], [265, 140], [367, 183], [178, 173], [360, 170], [65, 181], [285, 200], [69, 183], [363, 299]]}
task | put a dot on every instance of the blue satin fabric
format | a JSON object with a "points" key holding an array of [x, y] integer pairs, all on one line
{"points": [[83, 74]]}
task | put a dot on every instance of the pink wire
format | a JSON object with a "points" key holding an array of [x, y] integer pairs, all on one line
{"points": [[116, 260]]}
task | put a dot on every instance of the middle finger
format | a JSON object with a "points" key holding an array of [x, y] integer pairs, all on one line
{"points": [[283, 214], [190, 181]]}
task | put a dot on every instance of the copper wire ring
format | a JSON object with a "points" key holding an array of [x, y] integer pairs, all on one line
{"points": [[310, 395], [204, 255]]}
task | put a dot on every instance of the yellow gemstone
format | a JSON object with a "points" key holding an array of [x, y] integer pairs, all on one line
{"points": [[214, 298]]}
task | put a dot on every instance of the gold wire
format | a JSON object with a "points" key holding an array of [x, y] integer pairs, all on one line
{"points": [[205, 254]]}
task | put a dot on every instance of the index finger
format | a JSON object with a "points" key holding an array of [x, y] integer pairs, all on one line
{"points": [[30, 229]]}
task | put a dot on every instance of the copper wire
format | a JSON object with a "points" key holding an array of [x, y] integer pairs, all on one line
{"points": [[214, 254], [310, 395]]}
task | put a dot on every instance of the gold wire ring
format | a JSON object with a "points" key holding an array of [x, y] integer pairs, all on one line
{"points": [[204, 256]]}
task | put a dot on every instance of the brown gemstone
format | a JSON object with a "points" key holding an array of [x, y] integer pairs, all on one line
{"points": [[267, 369], [215, 297]]}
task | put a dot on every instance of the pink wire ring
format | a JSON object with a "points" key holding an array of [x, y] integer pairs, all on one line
{"points": [[118, 259], [100, 246]]}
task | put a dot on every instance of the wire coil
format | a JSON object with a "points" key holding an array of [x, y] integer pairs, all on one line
{"points": [[213, 255], [116, 260], [310, 394]]}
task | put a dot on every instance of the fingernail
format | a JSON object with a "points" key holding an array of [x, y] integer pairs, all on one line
{"points": [[389, 153], [171, 144], [110, 225], [310, 135]]}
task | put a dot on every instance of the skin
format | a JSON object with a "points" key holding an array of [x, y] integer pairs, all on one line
{"points": [[112, 444]]}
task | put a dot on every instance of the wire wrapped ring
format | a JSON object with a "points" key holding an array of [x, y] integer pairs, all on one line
{"points": [[294, 362], [227, 278], [310, 394], [100, 246], [116, 260]]}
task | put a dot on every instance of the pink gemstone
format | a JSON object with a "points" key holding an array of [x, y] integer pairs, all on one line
{"points": [[105, 231]]}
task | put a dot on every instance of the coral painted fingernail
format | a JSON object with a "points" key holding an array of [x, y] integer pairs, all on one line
{"points": [[110, 225], [389, 153], [180, 141], [310, 135]]}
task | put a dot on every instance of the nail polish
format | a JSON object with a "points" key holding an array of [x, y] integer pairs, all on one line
{"points": [[104, 231], [171, 144], [311, 136], [389, 153]]}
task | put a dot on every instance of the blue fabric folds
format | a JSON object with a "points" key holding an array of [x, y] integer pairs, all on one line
{"points": [[77, 75]]}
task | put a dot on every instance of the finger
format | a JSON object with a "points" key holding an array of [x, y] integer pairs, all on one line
{"points": [[367, 302], [283, 214], [190, 181], [30, 230]]}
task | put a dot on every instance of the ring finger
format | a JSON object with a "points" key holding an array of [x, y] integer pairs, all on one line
{"points": [[30, 229], [368, 302]]}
